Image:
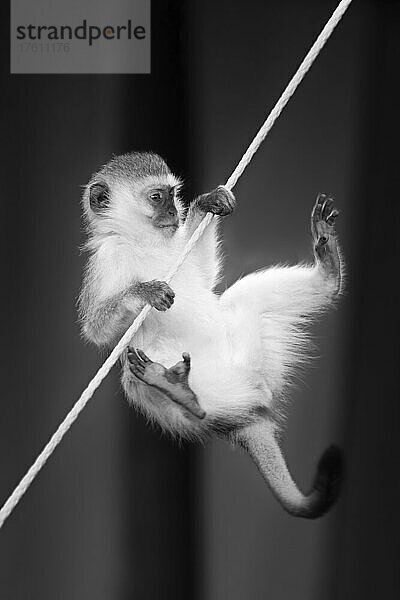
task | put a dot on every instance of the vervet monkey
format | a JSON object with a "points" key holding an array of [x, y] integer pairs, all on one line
{"points": [[239, 349]]}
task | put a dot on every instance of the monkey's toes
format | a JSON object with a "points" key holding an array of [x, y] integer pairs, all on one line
{"points": [[186, 359], [145, 369], [136, 364], [332, 217], [180, 371], [135, 359], [323, 216]]}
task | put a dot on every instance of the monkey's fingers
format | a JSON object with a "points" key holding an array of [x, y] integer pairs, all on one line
{"points": [[226, 201], [166, 288], [156, 284], [167, 294], [169, 297], [160, 307], [165, 300], [227, 195], [218, 202], [160, 295], [163, 304]]}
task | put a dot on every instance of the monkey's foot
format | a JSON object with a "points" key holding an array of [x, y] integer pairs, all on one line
{"points": [[323, 219], [220, 201], [172, 382]]}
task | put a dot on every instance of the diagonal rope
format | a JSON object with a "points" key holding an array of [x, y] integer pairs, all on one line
{"points": [[41, 460]]}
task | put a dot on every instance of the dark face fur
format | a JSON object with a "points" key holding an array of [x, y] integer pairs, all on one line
{"points": [[161, 199]]}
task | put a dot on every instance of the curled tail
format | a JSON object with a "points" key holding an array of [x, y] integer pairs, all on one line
{"points": [[261, 443]]}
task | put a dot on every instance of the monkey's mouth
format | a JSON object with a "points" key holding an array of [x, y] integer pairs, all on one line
{"points": [[173, 225]]}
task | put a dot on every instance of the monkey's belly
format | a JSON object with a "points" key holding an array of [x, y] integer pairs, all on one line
{"points": [[226, 376]]}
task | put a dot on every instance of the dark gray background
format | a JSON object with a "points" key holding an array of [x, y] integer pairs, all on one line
{"points": [[120, 511]]}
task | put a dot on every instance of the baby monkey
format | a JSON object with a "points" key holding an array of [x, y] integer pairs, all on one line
{"points": [[204, 363]]}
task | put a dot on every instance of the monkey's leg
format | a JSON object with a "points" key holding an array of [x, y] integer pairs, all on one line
{"points": [[261, 442], [172, 382], [296, 291]]}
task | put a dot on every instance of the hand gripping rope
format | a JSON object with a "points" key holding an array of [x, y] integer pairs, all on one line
{"points": [[126, 338]]}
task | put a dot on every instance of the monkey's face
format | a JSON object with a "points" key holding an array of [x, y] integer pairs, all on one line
{"points": [[158, 200], [127, 205]]}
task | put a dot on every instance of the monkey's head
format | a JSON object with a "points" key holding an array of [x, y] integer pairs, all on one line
{"points": [[132, 195]]}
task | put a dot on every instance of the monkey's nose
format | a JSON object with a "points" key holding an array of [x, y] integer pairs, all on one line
{"points": [[172, 212]]}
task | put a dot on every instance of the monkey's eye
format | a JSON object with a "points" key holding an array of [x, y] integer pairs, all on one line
{"points": [[156, 196]]}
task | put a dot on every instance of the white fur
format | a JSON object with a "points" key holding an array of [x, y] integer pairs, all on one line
{"points": [[245, 344]]}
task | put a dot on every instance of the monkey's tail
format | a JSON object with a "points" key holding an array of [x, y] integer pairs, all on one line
{"points": [[261, 443]]}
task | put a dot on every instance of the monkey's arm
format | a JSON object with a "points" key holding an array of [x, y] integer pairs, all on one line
{"points": [[106, 321], [219, 202]]}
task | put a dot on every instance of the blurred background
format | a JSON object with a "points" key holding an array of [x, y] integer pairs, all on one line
{"points": [[120, 511]]}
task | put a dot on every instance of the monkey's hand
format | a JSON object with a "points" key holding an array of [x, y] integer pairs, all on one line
{"points": [[220, 202], [156, 293]]}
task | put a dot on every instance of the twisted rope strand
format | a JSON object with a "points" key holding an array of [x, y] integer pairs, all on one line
{"points": [[71, 417]]}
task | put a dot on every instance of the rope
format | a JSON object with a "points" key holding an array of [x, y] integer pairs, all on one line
{"points": [[126, 338]]}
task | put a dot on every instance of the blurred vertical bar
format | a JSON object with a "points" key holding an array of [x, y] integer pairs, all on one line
{"points": [[111, 515], [366, 564], [243, 56]]}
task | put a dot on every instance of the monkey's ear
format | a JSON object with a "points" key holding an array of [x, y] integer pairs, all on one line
{"points": [[99, 196]]}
